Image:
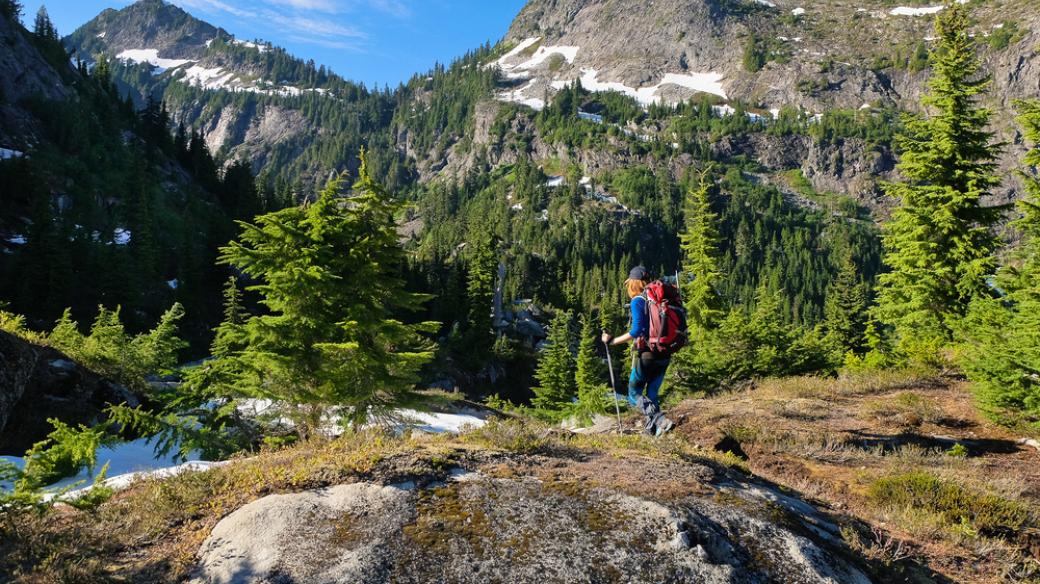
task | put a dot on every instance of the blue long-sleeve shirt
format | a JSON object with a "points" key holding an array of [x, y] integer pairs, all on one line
{"points": [[640, 323]]}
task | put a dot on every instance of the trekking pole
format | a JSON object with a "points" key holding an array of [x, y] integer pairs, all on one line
{"points": [[613, 388]]}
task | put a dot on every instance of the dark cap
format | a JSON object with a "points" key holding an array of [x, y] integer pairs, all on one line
{"points": [[639, 273]]}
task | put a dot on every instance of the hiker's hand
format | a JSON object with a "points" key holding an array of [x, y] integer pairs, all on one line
{"points": [[607, 338]]}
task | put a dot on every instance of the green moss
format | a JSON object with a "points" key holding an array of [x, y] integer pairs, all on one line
{"points": [[445, 517]]}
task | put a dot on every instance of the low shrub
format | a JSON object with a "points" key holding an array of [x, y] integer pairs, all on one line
{"points": [[954, 506]]}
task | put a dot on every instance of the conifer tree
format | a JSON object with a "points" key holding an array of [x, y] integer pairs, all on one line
{"points": [[229, 333], [1001, 337], [329, 276], [589, 373], [43, 27], [10, 9], [845, 311], [700, 248], [938, 243], [556, 367], [480, 289]]}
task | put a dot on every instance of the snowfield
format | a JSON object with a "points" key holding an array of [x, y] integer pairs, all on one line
{"points": [[543, 53], [151, 56], [251, 45], [911, 11], [127, 462], [516, 51], [919, 10], [517, 96], [121, 236], [136, 460], [702, 82]]}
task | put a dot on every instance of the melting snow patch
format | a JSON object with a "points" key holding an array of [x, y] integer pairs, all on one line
{"points": [[543, 53], [6, 153], [127, 462], [17, 240], [121, 236], [524, 44], [766, 3], [151, 56], [555, 181], [517, 96], [248, 44], [173, 284], [912, 11], [101, 34], [439, 423], [702, 82], [590, 117], [206, 78], [798, 11]]}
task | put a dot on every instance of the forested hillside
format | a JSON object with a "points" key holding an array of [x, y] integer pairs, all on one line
{"points": [[264, 286], [102, 202]]}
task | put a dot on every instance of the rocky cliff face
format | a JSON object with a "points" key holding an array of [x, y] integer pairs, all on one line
{"points": [[817, 55], [24, 73]]}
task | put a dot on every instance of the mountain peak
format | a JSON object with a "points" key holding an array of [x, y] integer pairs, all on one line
{"points": [[146, 24]]}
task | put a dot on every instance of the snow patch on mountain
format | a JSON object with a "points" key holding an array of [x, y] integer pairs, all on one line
{"points": [[914, 11], [701, 82], [151, 56], [121, 236], [6, 153], [543, 53], [517, 96], [524, 44], [249, 44], [919, 10]]}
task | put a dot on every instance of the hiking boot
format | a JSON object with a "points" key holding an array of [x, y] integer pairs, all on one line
{"points": [[664, 425]]}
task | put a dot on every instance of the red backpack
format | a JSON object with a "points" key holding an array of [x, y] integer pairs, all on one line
{"points": [[668, 331]]}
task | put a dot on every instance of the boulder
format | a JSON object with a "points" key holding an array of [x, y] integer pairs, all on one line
{"points": [[37, 383], [331, 535], [477, 528]]}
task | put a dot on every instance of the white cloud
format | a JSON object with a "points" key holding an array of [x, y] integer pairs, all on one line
{"points": [[323, 28], [317, 22], [215, 6], [316, 5]]}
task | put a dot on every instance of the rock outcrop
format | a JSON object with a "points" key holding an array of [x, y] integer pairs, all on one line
{"points": [[482, 528], [38, 383]]}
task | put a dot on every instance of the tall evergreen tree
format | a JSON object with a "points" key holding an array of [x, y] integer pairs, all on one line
{"points": [[556, 367], [480, 289], [845, 311], [43, 27], [589, 373], [10, 9], [700, 251], [1001, 337], [329, 275], [938, 243]]}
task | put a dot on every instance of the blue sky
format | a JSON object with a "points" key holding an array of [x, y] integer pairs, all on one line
{"points": [[374, 41]]}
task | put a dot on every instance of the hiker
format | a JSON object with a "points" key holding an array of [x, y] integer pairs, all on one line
{"points": [[648, 366]]}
